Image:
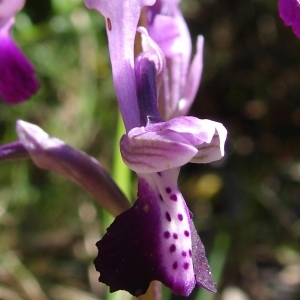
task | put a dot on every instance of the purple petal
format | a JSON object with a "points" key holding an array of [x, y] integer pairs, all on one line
{"points": [[53, 154], [152, 241], [192, 81], [214, 150], [289, 11], [170, 32], [171, 144], [13, 151], [146, 151], [8, 8], [201, 267], [17, 78], [168, 29], [121, 22]]}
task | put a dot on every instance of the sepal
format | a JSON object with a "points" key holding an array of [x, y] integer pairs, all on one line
{"points": [[53, 154]]}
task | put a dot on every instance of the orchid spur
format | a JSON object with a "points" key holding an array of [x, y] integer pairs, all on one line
{"points": [[17, 78], [156, 238]]}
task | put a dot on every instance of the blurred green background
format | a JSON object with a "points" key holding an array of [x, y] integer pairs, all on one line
{"points": [[246, 207]]}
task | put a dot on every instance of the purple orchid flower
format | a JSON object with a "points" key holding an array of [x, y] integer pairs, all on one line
{"points": [[289, 11], [17, 78], [50, 153], [181, 76], [156, 238], [157, 235]]}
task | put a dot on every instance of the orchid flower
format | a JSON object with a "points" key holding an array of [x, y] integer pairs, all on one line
{"points": [[181, 76], [17, 78], [289, 11], [50, 153], [156, 238]]}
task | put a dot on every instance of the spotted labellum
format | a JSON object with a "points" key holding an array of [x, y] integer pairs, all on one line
{"points": [[156, 238], [157, 234]]}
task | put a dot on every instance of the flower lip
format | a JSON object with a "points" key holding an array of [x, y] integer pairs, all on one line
{"points": [[154, 240]]}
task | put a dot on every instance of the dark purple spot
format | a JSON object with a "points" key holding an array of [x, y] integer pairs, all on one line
{"points": [[183, 253], [173, 197], [168, 190], [186, 233], [159, 174], [167, 234], [172, 248], [175, 236], [191, 215], [175, 265], [190, 253], [180, 217], [109, 24], [168, 216], [186, 265], [160, 197]]}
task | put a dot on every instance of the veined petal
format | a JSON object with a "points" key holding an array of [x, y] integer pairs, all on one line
{"points": [[8, 8], [165, 145], [147, 151], [192, 81], [165, 32], [121, 23], [169, 30], [289, 11], [17, 78], [53, 154], [197, 131], [153, 241]]}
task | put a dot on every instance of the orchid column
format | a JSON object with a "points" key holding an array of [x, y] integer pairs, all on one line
{"points": [[156, 238]]}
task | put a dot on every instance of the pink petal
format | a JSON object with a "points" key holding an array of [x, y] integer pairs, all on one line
{"points": [[289, 11], [17, 77], [121, 23]]}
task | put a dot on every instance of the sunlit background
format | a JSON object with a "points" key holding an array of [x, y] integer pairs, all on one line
{"points": [[246, 207]]}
